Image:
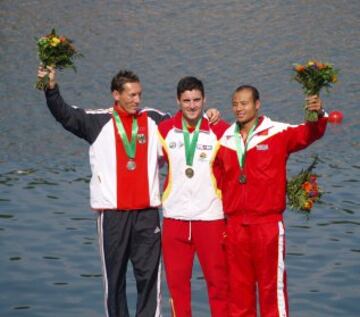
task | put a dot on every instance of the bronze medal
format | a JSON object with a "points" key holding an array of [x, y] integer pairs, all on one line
{"points": [[131, 165], [189, 172], [242, 179]]}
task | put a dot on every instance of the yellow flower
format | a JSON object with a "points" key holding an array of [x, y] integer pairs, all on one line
{"points": [[308, 204], [55, 41], [310, 63], [334, 79]]}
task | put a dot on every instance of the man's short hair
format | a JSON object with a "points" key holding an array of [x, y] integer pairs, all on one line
{"points": [[255, 93], [121, 78], [190, 83]]}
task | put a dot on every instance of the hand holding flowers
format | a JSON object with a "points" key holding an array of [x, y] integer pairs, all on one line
{"points": [[55, 52], [313, 76], [303, 190]]}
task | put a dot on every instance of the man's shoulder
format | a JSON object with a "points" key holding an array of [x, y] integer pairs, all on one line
{"points": [[156, 115], [219, 128], [166, 125], [170, 120], [106, 111]]}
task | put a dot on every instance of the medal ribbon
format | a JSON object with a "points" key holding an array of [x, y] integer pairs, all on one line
{"points": [[130, 147], [190, 146], [241, 147]]}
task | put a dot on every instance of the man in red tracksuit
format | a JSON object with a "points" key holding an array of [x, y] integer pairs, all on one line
{"points": [[252, 159]]}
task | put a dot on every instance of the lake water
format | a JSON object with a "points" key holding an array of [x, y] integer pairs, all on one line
{"points": [[49, 260]]}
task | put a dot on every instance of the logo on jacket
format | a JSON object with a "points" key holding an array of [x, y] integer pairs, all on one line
{"points": [[262, 147], [172, 145], [204, 147], [141, 138], [203, 156]]}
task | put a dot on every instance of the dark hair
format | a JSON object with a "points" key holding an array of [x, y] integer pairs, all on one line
{"points": [[255, 93], [190, 83], [123, 77]]}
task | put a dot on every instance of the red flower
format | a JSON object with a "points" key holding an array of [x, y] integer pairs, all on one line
{"points": [[307, 186], [312, 179], [299, 68], [314, 194]]}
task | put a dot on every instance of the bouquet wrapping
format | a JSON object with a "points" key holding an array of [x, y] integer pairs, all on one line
{"points": [[314, 76], [302, 190], [55, 51]]}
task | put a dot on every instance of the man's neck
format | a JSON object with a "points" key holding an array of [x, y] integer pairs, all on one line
{"points": [[246, 127], [191, 123], [121, 110]]}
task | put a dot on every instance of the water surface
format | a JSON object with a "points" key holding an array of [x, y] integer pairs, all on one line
{"points": [[49, 260]]}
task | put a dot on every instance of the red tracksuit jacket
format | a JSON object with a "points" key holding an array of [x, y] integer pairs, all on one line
{"points": [[263, 197]]}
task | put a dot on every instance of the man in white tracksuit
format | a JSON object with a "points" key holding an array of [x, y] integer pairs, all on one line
{"points": [[192, 208]]}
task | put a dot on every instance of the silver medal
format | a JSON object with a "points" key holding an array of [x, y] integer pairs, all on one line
{"points": [[131, 165]]}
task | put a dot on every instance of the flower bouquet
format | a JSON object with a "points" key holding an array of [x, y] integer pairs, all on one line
{"points": [[302, 190], [56, 51], [313, 76]]}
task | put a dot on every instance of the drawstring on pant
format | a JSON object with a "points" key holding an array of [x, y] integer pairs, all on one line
{"points": [[189, 237]]}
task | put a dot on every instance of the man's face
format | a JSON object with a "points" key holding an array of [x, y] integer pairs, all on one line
{"points": [[244, 107], [129, 99], [191, 104]]}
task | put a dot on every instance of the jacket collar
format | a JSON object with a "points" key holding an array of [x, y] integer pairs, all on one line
{"points": [[204, 127], [123, 114], [264, 124]]}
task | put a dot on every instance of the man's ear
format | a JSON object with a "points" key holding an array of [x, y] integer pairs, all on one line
{"points": [[257, 104], [116, 95]]}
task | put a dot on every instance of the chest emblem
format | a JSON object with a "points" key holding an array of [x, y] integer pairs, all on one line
{"points": [[203, 156], [141, 138], [262, 147], [172, 145]]}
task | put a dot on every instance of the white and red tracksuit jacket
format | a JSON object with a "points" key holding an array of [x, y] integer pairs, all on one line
{"points": [[196, 198], [263, 197], [112, 186]]}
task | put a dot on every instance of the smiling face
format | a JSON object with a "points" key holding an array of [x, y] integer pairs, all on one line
{"points": [[191, 103], [129, 98], [245, 107]]}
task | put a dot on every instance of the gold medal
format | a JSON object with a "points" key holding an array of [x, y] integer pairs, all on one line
{"points": [[242, 179], [131, 165], [189, 172]]}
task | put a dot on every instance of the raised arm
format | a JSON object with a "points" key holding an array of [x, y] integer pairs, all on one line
{"points": [[301, 136], [76, 120]]}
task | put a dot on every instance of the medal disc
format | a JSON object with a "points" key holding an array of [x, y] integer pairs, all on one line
{"points": [[189, 172], [242, 179], [131, 165]]}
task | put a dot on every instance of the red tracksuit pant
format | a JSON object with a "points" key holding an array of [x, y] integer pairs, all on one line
{"points": [[255, 256], [180, 241]]}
